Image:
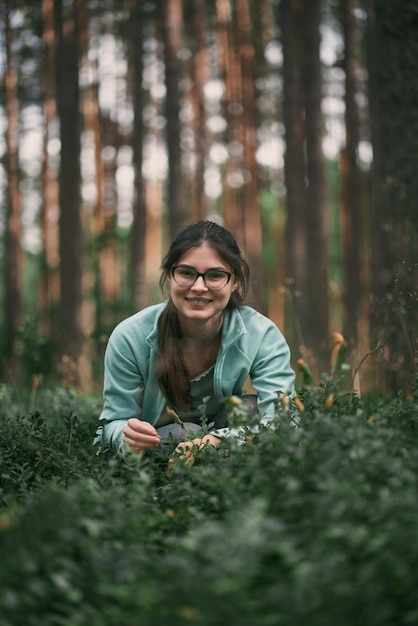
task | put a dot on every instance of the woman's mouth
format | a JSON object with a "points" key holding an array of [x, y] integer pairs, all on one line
{"points": [[197, 301]]}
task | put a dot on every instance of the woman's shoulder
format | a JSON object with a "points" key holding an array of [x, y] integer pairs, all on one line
{"points": [[248, 324], [251, 316]]}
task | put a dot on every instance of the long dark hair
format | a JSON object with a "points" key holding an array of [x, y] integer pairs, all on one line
{"points": [[172, 372]]}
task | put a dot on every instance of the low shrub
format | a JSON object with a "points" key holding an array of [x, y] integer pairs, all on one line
{"points": [[314, 524]]}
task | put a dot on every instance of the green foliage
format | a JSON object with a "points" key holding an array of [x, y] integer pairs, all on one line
{"points": [[48, 443], [314, 524]]}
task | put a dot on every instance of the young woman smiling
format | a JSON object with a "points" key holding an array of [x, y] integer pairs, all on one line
{"points": [[179, 360]]}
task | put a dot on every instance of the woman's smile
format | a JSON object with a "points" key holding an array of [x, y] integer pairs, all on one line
{"points": [[198, 301]]}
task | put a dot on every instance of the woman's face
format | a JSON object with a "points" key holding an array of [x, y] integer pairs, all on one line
{"points": [[198, 302]]}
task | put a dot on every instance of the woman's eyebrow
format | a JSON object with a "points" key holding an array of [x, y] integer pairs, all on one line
{"points": [[218, 267]]}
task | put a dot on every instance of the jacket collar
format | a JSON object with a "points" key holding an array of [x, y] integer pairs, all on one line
{"points": [[233, 327], [152, 338]]}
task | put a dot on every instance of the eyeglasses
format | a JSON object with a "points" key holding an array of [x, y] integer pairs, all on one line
{"points": [[186, 276]]}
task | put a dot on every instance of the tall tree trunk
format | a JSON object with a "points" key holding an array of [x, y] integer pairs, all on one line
{"points": [[13, 227], [392, 59], [92, 121], [49, 283], [139, 225], [231, 73], [272, 277], [252, 217], [290, 21], [200, 72], [317, 235], [109, 246], [102, 272], [379, 209], [379, 241], [172, 37], [351, 201], [70, 227]]}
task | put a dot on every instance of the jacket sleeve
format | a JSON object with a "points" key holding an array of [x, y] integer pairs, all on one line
{"points": [[122, 391], [271, 373], [269, 369]]}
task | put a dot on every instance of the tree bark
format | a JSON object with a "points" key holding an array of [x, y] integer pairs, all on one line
{"points": [[231, 73], [200, 75], [295, 174], [317, 237], [392, 59], [139, 209], [13, 227], [49, 281], [172, 37], [253, 241], [351, 202], [70, 227]]}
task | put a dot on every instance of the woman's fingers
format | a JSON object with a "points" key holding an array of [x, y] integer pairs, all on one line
{"points": [[141, 426], [140, 435], [185, 448], [143, 443], [184, 451]]}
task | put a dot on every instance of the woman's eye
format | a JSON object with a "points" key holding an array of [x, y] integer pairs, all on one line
{"points": [[186, 273], [215, 275]]}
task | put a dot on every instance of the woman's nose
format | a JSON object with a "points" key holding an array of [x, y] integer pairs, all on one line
{"points": [[199, 283]]}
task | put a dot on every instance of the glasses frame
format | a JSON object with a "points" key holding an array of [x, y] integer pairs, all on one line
{"points": [[201, 274]]}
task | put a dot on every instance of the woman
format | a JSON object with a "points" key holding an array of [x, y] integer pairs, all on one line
{"points": [[178, 361]]}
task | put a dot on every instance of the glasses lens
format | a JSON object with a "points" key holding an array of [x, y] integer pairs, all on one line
{"points": [[184, 276], [216, 279]]}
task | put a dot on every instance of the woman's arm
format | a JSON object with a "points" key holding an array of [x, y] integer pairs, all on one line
{"points": [[271, 372], [123, 390]]}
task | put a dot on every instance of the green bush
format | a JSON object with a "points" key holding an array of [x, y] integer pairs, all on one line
{"points": [[51, 443], [314, 524]]}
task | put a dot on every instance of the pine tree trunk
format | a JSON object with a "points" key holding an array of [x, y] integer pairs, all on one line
{"points": [[392, 64], [253, 241], [49, 283], [317, 232], [172, 37], [351, 201], [13, 226], [295, 175], [231, 73], [200, 75], [70, 227], [139, 225]]}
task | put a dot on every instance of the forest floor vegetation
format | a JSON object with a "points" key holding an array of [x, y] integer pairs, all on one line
{"points": [[314, 524]]}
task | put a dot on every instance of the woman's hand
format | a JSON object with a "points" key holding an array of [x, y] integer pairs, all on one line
{"points": [[187, 449], [140, 435]]}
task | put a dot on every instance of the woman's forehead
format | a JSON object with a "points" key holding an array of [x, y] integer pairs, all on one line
{"points": [[202, 255]]}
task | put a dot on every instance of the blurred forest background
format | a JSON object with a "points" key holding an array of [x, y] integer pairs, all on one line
{"points": [[292, 122]]}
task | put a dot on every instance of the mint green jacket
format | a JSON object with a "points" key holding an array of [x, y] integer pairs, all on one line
{"points": [[252, 346]]}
